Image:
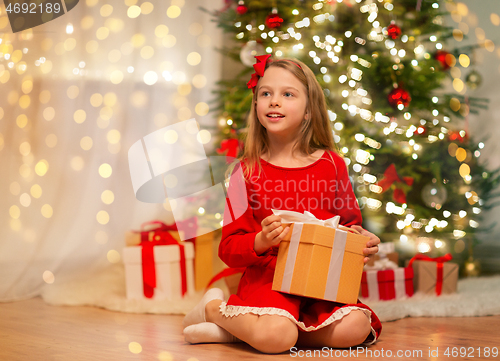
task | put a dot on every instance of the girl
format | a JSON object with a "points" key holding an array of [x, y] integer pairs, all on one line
{"points": [[288, 163]]}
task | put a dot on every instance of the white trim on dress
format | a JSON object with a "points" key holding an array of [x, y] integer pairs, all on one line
{"points": [[231, 311]]}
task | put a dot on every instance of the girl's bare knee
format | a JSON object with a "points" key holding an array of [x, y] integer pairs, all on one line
{"points": [[359, 328], [277, 336]]}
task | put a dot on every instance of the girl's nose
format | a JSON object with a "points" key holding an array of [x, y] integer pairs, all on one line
{"points": [[275, 101]]}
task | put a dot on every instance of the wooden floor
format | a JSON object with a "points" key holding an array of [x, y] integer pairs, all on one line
{"points": [[33, 330]]}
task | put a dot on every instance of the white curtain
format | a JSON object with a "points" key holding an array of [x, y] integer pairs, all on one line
{"points": [[73, 99]]}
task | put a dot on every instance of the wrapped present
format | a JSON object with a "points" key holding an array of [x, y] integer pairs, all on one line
{"points": [[386, 250], [387, 284], [205, 242], [155, 230], [319, 259], [434, 275], [392, 257], [380, 264], [134, 238], [207, 262], [161, 269]]}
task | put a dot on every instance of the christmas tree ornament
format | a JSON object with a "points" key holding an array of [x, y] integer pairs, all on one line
{"points": [[249, 51], [473, 79], [460, 135], [399, 96], [273, 20], [393, 31], [421, 130], [391, 177], [241, 9], [434, 195], [230, 147], [472, 267], [444, 58]]}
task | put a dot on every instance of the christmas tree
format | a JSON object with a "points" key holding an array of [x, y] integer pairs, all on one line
{"points": [[384, 66]]}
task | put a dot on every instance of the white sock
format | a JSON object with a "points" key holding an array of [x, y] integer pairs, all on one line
{"points": [[208, 332], [197, 314]]}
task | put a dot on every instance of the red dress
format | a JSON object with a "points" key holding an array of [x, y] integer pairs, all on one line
{"points": [[322, 188]]}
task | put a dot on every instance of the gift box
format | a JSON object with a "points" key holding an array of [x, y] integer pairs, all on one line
{"points": [[171, 279], [434, 275], [388, 284], [393, 257], [153, 231], [207, 262], [133, 238], [386, 250], [319, 260]]}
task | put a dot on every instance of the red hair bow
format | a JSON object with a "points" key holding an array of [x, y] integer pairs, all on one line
{"points": [[259, 67]]}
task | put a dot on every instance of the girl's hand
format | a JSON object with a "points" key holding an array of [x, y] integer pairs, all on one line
{"points": [[371, 245], [271, 235]]}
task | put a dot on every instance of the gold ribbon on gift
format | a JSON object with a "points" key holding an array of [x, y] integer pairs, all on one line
{"points": [[308, 269]]}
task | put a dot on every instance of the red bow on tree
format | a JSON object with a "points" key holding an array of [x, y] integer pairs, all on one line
{"points": [[390, 177], [259, 67], [231, 146]]}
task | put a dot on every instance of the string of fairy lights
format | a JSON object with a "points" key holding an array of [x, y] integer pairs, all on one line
{"points": [[328, 51]]}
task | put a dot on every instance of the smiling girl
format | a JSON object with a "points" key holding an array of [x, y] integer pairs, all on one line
{"points": [[289, 140]]}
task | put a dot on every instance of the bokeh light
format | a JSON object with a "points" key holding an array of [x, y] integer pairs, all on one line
{"points": [[14, 212], [135, 347], [21, 120], [202, 109], [96, 100], [107, 197], [161, 31], [105, 170], [173, 11], [36, 191], [42, 167], [113, 256], [193, 58], [133, 11], [77, 163], [48, 277], [79, 116], [86, 143], [73, 92], [102, 217], [51, 140], [47, 211], [165, 356]]}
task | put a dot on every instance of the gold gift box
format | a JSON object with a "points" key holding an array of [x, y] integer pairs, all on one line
{"points": [[206, 262], [315, 274], [425, 277]]}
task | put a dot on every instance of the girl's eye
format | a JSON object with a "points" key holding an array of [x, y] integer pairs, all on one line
{"points": [[264, 93], [288, 94]]}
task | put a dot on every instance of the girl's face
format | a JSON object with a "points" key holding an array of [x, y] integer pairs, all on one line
{"points": [[281, 103]]}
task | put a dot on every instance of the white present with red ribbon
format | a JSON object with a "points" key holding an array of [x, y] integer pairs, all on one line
{"points": [[159, 270], [388, 284]]}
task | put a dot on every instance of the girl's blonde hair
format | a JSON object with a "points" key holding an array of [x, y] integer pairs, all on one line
{"points": [[315, 132]]}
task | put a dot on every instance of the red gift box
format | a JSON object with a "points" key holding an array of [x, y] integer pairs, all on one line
{"points": [[387, 284]]}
